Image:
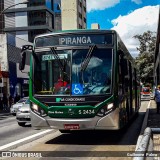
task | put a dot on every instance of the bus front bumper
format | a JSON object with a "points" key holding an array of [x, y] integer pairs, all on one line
{"points": [[108, 122]]}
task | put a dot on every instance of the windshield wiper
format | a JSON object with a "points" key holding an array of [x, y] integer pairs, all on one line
{"points": [[88, 57], [62, 67], [53, 51]]}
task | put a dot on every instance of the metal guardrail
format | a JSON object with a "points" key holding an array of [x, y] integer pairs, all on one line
{"points": [[144, 145]]}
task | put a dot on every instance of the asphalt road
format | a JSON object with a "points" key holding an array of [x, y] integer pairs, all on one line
{"points": [[10, 131], [95, 144]]}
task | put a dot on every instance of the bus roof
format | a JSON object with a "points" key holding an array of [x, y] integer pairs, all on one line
{"points": [[77, 31], [94, 31]]}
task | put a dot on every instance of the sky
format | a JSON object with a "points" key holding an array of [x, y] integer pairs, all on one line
{"points": [[127, 17]]}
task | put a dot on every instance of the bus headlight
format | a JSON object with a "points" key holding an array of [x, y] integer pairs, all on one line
{"points": [[38, 110], [105, 110]]}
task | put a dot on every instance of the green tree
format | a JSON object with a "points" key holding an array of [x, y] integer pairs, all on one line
{"points": [[145, 58]]}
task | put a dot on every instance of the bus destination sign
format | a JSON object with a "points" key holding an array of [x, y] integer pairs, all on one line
{"points": [[74, 40]]}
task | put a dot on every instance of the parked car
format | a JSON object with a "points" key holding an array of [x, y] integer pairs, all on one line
{"points": [[23, 114], [15, 106]]}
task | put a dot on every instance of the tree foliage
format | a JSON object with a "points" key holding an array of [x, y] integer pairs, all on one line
{"points": [[145, 59]]}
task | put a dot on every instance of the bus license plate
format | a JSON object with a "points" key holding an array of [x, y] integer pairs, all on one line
{"points": [[71, 126]]}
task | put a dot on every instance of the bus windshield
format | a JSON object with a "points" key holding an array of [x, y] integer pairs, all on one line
{"points": [[63, 72]]}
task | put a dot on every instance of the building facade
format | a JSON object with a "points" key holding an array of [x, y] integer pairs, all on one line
{"points": [[21, 23], [95, 26], [12, 81], [28, 20], [41, 16], [73, 14]]}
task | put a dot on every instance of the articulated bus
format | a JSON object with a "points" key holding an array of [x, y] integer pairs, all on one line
{"points": [[81, 80]]}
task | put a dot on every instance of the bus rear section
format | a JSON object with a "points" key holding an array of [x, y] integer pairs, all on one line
{"points": [[145, 93]]}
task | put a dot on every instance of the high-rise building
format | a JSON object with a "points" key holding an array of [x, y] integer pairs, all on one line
{"points": [[95, 26], [28, 20], [41, 16], [73, 14], [57, 15]]}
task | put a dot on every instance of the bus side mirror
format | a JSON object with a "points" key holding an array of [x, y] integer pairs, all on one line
{"points": [[23, 61]]}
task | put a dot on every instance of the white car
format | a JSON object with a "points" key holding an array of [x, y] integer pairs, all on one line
{"points": [[23, 114], [14, 107]]}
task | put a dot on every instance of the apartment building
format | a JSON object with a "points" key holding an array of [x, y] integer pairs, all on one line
{"points": [[28, 20], [12, 81], [73, 14]]}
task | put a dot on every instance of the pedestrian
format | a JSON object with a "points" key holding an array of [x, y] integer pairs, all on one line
{"points": [[10, 100], [17, 98], [5, 102], [157, 98]]}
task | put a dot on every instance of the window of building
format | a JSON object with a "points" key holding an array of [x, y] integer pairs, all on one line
{"points": [[49, 4], [34, 33], [80, 4], [37, 18], [80, 26], [80, 15], [37, 3]]}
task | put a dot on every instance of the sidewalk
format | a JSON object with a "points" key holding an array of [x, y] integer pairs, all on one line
{"points": [[154, 124]]}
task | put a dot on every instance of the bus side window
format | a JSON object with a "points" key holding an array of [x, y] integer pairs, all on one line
{"points": [[125, 75], [121, 88], [120, 83]]}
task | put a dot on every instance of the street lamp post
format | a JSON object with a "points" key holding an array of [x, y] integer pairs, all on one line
{"points": [[25, 2]]}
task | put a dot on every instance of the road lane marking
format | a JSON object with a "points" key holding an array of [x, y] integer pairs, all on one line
{"points": [[149, 104], [24, 139]]}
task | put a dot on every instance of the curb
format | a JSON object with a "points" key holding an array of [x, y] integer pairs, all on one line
{"points": [[144, 144], [145, 120], [145, 140]]}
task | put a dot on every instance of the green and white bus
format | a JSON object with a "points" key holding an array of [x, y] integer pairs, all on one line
{"points": [[81, 80]]}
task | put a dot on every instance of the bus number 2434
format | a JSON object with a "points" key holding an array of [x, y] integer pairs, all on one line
{"points": [[86, 111]]}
